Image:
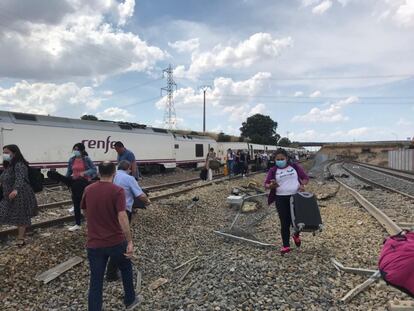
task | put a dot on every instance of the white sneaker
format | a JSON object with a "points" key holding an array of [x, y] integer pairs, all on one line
{"points": [[71, 210], [74, 228]]}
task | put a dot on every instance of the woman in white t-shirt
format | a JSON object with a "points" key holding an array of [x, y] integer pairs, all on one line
{"points": [[285, 179]]}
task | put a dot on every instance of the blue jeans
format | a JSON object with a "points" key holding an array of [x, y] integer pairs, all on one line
{"points": [[98, 257], [230, 165]]}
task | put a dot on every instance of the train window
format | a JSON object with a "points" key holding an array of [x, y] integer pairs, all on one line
{"points": [[25, 117], [125, 126], [176, 146], [199, 150], [157, 130]]}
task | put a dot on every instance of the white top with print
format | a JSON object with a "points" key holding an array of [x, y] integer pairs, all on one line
{"points": [[287, 179]]}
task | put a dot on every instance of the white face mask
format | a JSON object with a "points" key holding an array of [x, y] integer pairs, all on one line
{"points": [[7, 157]]}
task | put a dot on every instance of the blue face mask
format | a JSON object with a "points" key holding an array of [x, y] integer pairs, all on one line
{"points": [[7, 157], [281, 163], [76, 153]]}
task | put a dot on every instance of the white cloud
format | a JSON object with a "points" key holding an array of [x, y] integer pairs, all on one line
{"points": [[84, 40], [307, 3], [231, 99], [322, 7], [185, 46], [404, 15], [360, 133], [47, 98], [114, 114], [315, 94], [404, 122], [259, 47], [239, 113], [224, 92], [125, 11], [298, 94], [332, 114]]}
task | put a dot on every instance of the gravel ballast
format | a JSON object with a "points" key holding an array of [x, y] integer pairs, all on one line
{"points": [[227, 275]]}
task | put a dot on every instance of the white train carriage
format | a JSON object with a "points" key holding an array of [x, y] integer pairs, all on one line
{"points": [[190, 150], [47, 142], [222, 148]]}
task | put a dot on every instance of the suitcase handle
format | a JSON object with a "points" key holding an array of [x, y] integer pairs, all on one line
{"points": [[306, 194]]}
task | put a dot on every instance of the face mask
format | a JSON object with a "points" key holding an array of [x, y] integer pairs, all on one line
{"points": [[281, 163], [76, 153], [7, 157]]}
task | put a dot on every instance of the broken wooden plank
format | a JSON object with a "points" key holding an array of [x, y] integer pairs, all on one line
{"points": [[361, 287], [161, 281], [400, 305], [242, 239], [360, 271], [139, 282], [53, 273], [187, 271], [185, 263]]}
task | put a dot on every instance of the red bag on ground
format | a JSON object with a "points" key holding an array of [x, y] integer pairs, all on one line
{"points": [[396, 262]]}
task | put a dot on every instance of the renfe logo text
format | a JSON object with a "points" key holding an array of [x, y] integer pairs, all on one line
{"points": [[99, 144]]}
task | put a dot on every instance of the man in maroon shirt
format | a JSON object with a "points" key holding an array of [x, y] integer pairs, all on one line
{"points": [[109, 236]]}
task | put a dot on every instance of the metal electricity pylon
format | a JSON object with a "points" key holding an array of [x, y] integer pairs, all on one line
{"points": [[170, 118]]}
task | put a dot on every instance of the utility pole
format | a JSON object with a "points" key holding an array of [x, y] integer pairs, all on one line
{"points": [[204, 88], [170, 118]]}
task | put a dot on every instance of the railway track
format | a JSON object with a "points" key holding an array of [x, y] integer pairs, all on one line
{"points": [[391, 209], [381, 179], [389, 171], [61, 220]]}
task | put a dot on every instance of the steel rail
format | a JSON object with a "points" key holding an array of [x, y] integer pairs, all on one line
{"points": [[389, 171], [369, 181], [390, 226]]}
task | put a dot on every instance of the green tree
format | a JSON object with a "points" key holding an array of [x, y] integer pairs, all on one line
{"points": [[284, 142], [89, 117], [260, 129], [221, 137]]}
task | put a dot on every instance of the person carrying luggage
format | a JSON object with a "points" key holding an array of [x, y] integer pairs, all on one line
{"points": [[211, 156], [284, 180]]}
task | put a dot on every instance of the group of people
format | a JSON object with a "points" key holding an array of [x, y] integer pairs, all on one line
{"points": [[107, 202], [237, 162]]}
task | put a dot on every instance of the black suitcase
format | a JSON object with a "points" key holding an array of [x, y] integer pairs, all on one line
{"points": [[305, 213], [203, 174]]}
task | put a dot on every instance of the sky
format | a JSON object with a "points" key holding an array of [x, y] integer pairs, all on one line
{"points": [[325, 70]]}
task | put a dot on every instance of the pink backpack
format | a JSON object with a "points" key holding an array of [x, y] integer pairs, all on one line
{"points": [[396, 262]]}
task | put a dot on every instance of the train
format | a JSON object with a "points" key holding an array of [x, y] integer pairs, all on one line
{"points": [[46, 142]]}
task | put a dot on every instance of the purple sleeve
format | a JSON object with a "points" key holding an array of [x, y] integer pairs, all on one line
{"points": [[270, 175], [301, 172]]}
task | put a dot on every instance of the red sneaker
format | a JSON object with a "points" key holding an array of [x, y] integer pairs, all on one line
{"points": [[284, 250], [296, 239]]}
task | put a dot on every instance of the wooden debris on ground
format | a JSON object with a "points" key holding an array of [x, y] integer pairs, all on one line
{"points": [[185, 263], [186, 272], [400, 305], [158, 283], [361, 287], [53, 273], [360, 271]]}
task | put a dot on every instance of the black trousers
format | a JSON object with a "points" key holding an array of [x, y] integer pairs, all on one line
{"points": [[112, 268], [77, 187], [283, 209]]}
